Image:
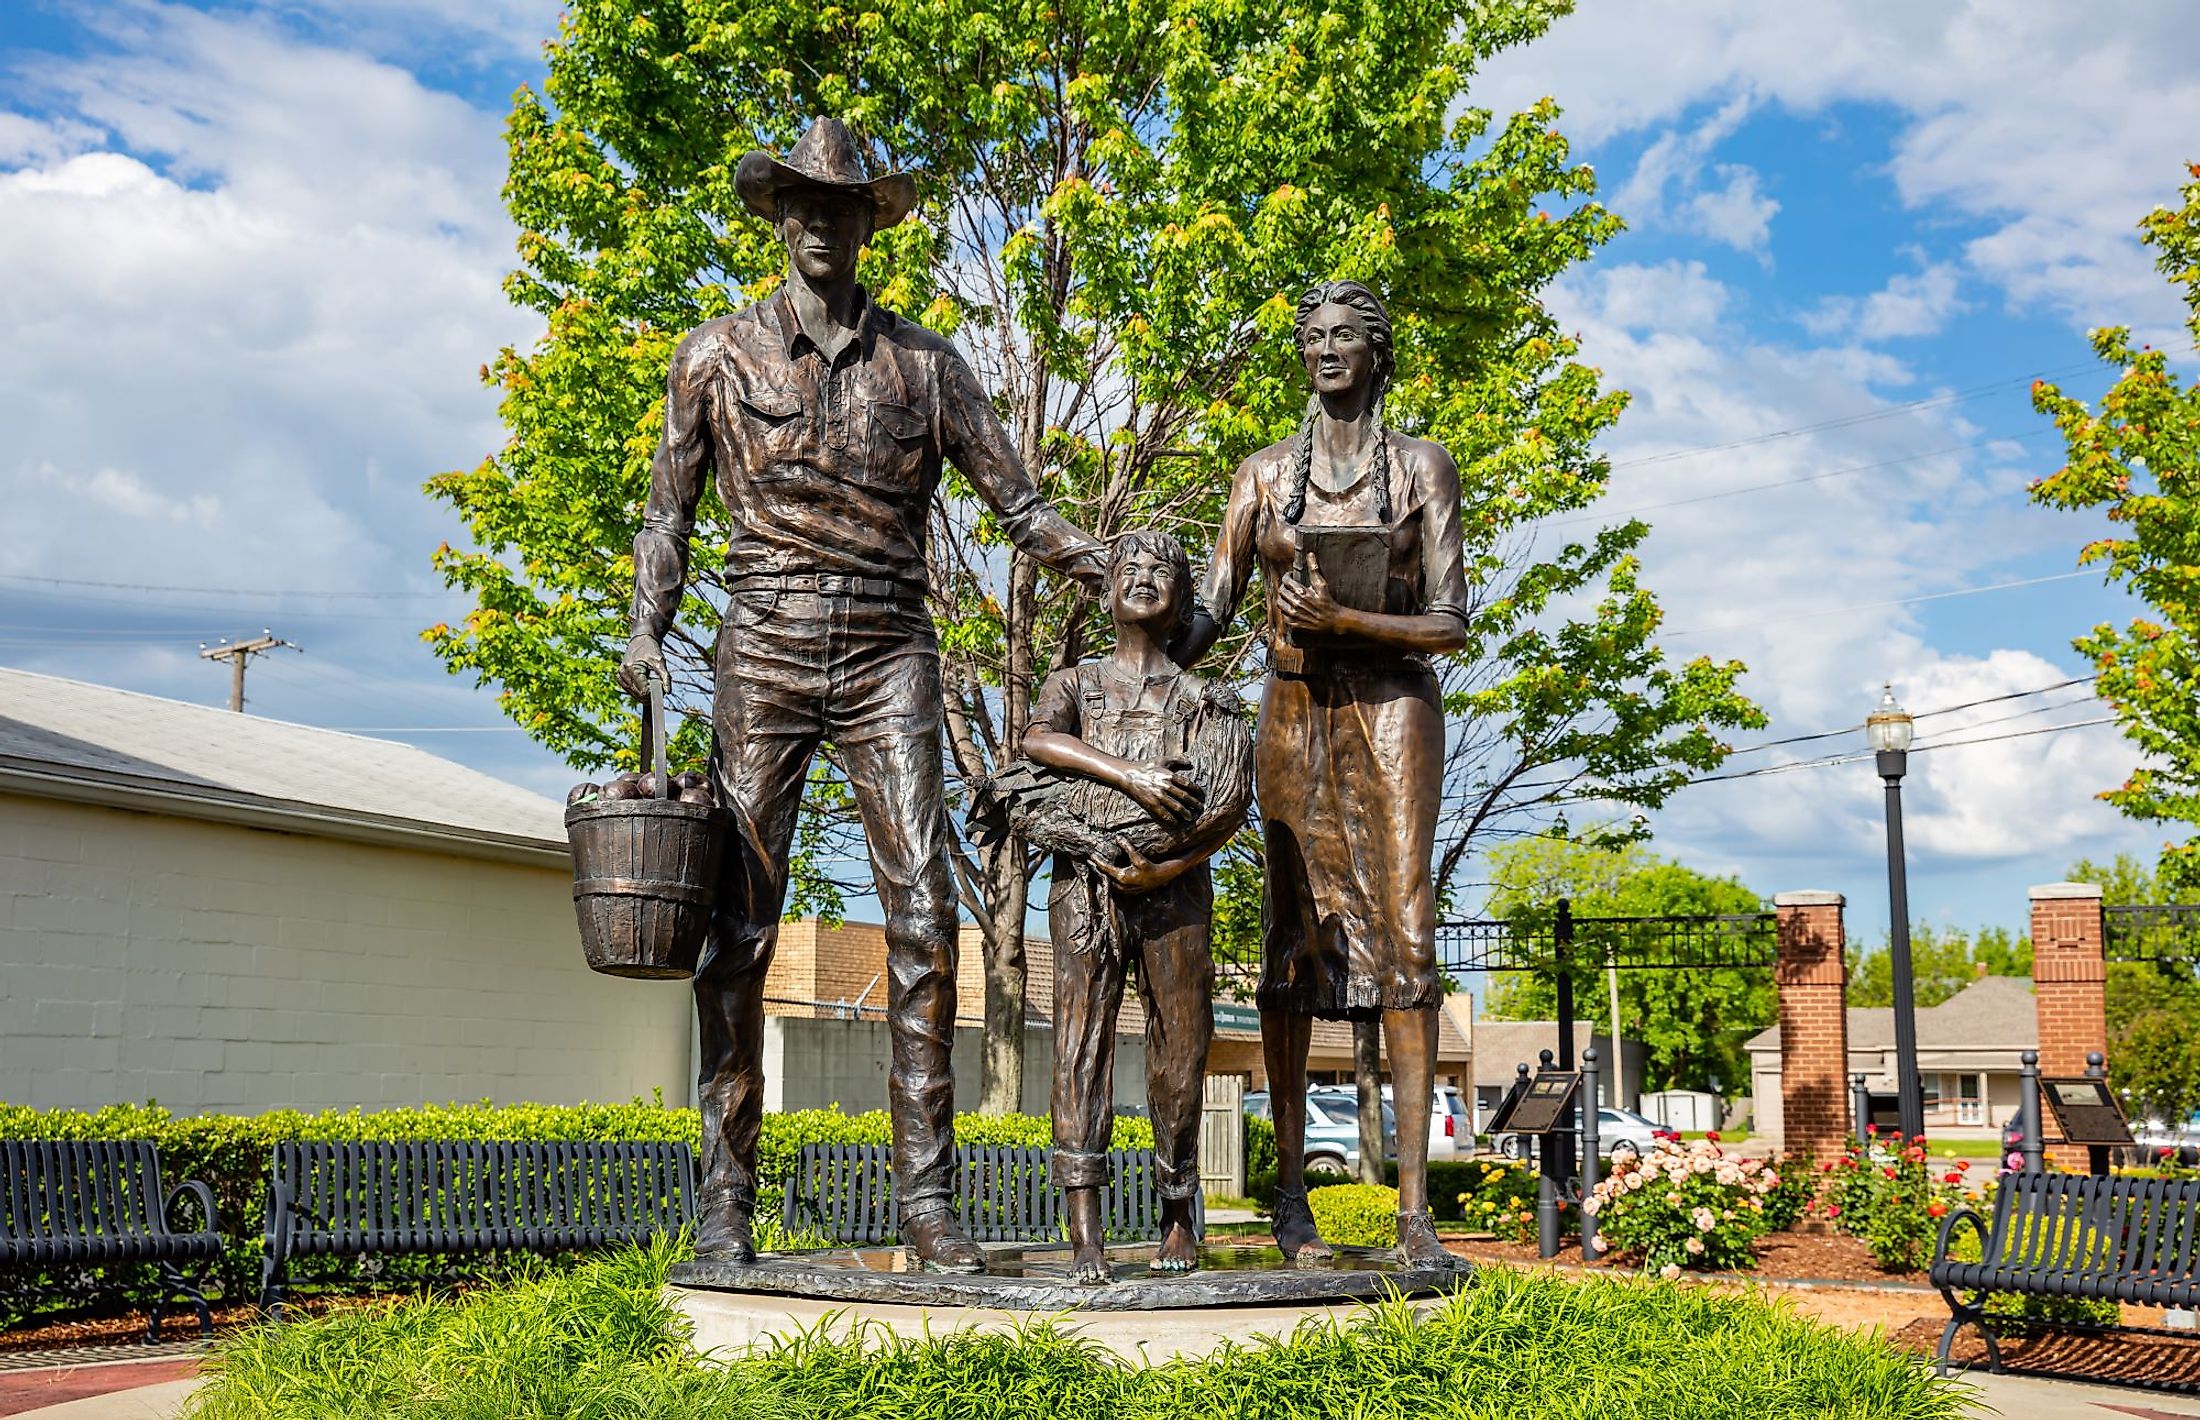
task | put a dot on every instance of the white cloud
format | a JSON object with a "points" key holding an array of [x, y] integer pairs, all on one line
{"points": [[1804, 583], [1910, 304], [2055, 125], [1671, 185]]}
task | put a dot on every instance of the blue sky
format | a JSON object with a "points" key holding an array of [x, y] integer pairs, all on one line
{"points": [[249, 265]]}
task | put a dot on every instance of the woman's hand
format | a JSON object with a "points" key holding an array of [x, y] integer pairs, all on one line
{"points": [[1307, 606], [1167, 791], [1135, 872]]}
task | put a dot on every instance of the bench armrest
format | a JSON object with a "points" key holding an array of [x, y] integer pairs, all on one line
{"points": [[191, 1188], [1965, 1214]]}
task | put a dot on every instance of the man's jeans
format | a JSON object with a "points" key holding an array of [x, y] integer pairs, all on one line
{"points": [[795, 668]]}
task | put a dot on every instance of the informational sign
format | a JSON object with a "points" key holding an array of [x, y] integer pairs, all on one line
{"points": [[2086, 1111], [1547, 1107], [1500, 1120], [1236, 1016]]}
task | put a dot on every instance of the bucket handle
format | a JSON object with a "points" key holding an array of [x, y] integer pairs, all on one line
{"points": [[653, 734]]}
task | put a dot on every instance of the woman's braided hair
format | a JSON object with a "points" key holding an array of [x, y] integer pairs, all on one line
{"points": [[1377, 320]]}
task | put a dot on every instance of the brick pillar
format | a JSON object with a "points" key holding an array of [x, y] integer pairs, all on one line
{"points": [[1814, 1025], [2069, 983]]}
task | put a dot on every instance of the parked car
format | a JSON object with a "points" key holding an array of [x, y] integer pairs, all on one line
{"points": [[1450, 1124], [1621, 1133], [1332, 1129]]}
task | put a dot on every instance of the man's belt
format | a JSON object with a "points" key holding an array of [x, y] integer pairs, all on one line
{"points": [[831, 584]]}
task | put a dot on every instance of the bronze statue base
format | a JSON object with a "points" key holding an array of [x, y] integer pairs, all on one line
{"points": [[1036, 1278]]}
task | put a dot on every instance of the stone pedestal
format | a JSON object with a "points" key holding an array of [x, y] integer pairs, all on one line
{"points": [[1239, 1294]]}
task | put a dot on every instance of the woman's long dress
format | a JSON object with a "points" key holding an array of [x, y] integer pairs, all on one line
{"points": [[1349, 748]]}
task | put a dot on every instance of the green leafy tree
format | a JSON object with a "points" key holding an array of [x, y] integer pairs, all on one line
{"points": [[2137, 458], [2153, 1007], [1943, 960], [1119, 204], [1691, 1023]]}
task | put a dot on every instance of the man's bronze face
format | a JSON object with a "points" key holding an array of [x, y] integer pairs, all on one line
{"points": [[1338, 354], [824, 231]]}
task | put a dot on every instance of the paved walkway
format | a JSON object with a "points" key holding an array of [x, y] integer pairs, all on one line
{"points": [[154, 1402], [2025, 1398]]}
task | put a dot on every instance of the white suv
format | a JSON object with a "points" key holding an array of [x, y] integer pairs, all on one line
{"points": [[1450, 1124]]}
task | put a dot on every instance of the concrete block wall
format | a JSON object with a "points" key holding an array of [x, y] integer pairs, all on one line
{"points": [[219, 968], [1812, 976]]}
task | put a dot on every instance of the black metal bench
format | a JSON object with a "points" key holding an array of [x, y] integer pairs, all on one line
{"points": [[2131, 1240], [844, 1193], [72, 1203], [356, 1200]]}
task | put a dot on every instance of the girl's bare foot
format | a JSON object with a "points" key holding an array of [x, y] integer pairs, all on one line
{"points": [[1179, 1250], [1088, 1256]]}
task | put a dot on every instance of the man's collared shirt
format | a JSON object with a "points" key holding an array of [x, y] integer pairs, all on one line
{"points": [[827, 466]]}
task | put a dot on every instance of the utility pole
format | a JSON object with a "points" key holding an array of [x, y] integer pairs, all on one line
{"points": [[237, 653]]}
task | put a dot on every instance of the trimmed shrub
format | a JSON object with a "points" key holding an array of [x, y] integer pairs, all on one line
{"points": [[1447, 1180], [230, 1153], [1685, 1207], [1356, 1214], [1792, 1197], [1260, 1146]]}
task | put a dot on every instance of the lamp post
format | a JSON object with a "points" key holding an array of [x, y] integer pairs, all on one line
{"points": [[1890, 729]]}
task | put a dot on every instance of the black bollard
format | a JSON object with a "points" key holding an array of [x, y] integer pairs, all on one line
{"points": [[2032, 1147], [1591, 1246]]}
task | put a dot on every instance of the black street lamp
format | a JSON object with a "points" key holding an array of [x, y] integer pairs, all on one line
{"points": [[1889, 728]]}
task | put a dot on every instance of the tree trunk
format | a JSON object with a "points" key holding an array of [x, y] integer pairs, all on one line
{"points": [[1001, 1082], [1367, 1073]]}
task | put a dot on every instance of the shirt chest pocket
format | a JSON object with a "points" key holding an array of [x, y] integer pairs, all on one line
{"points": [[776, 425], [900, 441]]}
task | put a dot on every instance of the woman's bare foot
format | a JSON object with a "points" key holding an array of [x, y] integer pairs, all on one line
{"points": [[1179, 1250], [1296, 1234], [1417, 1240]]}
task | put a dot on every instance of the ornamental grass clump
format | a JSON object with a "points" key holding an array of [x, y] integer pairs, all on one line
{"points": [[1892, 1195], [600, 1343], [1687, 1207]]}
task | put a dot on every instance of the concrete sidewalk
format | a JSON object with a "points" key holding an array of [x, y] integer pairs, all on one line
{"points": [[2029, 1398], [154, 1402]]}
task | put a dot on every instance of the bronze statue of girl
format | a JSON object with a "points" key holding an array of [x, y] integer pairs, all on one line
{"points": [[1350, 747]]}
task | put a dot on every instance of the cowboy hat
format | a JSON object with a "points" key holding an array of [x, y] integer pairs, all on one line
{"points": [[826, 157]]}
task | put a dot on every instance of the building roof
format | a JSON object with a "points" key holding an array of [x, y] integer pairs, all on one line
{"points": [[1991, 1013], [65, 739]]}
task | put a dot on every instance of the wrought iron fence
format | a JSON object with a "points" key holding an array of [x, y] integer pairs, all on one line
{"points": [[2152, 933], [1666, 943]]}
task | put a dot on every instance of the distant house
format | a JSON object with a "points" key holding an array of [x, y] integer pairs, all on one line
{"points": [[1967, 1048], [1502, 1047], [222, 912]]}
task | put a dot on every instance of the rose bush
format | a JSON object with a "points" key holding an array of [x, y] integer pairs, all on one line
{"points": [[1890, 1194], [1501, 1202], [1685, 1207]]}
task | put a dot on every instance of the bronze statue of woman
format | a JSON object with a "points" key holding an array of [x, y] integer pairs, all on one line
{"points": [[1349, 750]]}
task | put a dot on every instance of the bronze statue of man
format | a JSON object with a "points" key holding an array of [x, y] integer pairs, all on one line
{"points": [[825, 420]]}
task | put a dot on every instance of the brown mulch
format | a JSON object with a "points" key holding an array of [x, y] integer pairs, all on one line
{"points": [[1781, 1257], [178, 1325], [2159, 1358]]}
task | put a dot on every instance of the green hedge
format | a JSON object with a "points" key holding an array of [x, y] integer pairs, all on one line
{"points": [[1355, 1214], [230, 1154]]}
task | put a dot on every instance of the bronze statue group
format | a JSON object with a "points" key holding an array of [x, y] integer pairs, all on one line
{"points": [[825, 422]]}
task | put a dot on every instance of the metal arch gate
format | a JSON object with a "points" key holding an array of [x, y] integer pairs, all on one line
{"points": [[1747, 940]]}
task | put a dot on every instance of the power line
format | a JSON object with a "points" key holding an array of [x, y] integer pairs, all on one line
{"points": [[1599, 516], [1943, 710], [1851, 420], [1866, 606], [218, 591]]}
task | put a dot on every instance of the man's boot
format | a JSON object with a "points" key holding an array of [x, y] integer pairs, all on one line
{"points": [[940, 1244], [723, 1232]]}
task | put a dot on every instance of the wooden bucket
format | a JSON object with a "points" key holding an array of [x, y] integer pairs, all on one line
{"points": [[645, 871]]}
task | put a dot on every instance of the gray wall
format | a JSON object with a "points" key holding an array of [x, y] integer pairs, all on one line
{"points": [[818, 1063], [219, 968]]}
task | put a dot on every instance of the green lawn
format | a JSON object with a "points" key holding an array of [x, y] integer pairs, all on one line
{"points": [[598, 1343]]}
